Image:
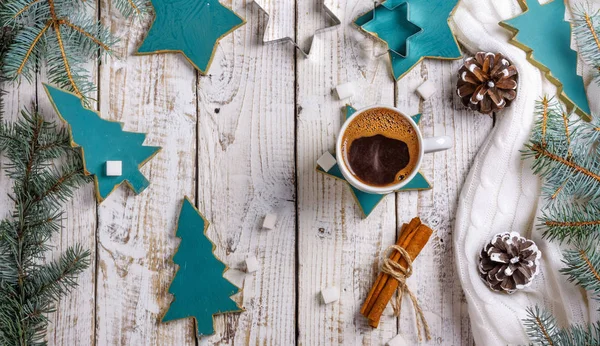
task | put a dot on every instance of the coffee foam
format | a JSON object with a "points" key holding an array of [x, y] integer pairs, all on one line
{"points": [[386, 122]]}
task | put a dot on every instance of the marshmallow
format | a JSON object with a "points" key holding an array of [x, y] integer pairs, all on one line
{"points": [[252, 264], [326, 161], [269, 221], [114, 168], [330, 294], [398, 340], [345, 90], [426, 90]]}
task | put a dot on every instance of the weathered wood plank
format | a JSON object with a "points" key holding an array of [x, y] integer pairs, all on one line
{"points": [[245, 171], [434, 280], [154, 94], [337, 247]]}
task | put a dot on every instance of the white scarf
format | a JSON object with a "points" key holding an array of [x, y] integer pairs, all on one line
{"points": [[501, 194]]}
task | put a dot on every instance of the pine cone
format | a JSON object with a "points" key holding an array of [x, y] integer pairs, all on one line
{"points": [[487, 82], [509, 262]]}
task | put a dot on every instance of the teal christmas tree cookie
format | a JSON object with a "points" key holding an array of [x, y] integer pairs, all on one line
{"points": [[199, 288], [413, 30], [368, 201], [103, 142], [190, 27], [544, 34]]}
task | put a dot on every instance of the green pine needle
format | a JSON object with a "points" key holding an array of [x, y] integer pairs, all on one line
{"points": [[542, 330], [6, 36], [564, 155], [586, 25], [541, 327], [571, 222], [132, 8], [59, 34], [46, 171], [583, 265]]}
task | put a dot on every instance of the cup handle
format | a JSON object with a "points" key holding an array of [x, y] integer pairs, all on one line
{"points": [[435, 144]]}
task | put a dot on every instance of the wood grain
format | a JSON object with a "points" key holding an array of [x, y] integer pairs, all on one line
{"points": [[336, 246], [242, 142], [245, 171], [153, 94], [438, 288]]}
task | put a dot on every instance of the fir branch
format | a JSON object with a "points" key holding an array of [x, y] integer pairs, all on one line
{"points": [[564, 154], [586, 25], [583, 265], [25, 8], [591, 134], [567, 158], [544, 126], [567, 134], [556, 165], [85, 33], [542, 329], [132, 8], [58, 33], [571, 222], [6, 36], [559, 189], [57, 278], [46, 171], [63, 53], [38, 36], [552, 123]]}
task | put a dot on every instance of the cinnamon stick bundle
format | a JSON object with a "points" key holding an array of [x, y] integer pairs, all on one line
{"points": [[413, 237]]}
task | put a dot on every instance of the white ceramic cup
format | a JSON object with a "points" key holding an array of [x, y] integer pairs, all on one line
{"points": [[426, 145]]}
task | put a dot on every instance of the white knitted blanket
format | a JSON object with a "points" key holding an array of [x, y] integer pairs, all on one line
{"points": [[501, 194]]}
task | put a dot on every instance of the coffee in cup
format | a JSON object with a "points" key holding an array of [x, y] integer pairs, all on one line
{"points": [[380, 147]]}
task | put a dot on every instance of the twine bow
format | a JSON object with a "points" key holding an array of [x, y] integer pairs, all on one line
{"points": [[400, 273]]}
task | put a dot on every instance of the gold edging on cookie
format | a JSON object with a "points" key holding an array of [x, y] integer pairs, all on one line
{"points": [[171, 259], [76, 146], [164, 51], [421, 58]]}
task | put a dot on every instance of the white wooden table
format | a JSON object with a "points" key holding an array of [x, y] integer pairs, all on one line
{"points": [[242, 141]]}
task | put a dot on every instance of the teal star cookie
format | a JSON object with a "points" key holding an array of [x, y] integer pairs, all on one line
{"points": [[368, 201], [393, 26], [434, 41], [190, 27]]}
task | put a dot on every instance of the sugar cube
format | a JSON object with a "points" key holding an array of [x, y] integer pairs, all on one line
{"points": [[398, 340], [330, 294], [367, 48], [345, 90], [114, 168], [252, 264], [269, 221], [426, 90], [326, 161]]}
